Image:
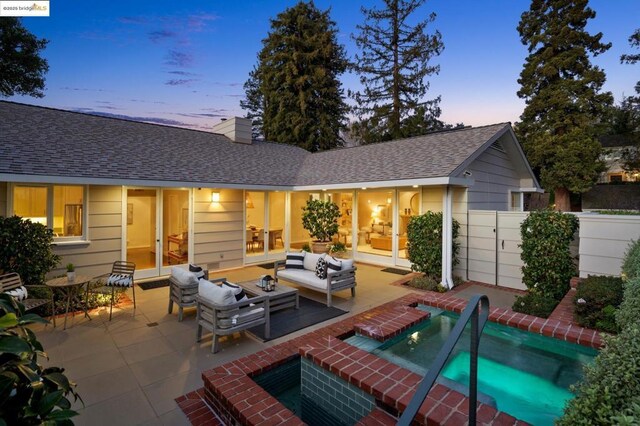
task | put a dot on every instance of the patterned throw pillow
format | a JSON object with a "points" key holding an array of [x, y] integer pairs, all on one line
{"points": [[321, 269], [237, 291], [294, 261], [19, 293], [197, 270], [119, 280]]}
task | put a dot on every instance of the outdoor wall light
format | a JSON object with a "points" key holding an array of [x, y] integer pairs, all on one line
{"points": [[215, 197]]}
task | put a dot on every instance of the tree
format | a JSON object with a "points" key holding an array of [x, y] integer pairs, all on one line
{"points": [[293, 95], [561, 89], [22, 69], [393, 65], [634, 41]]}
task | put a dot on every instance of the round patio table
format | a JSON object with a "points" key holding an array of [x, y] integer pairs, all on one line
{"points": [[70, 289]]}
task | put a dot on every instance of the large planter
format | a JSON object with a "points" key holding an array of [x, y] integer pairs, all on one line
{"points": [[320, 246]]}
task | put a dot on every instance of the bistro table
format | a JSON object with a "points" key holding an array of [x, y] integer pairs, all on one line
{"points": [[70, 289]]}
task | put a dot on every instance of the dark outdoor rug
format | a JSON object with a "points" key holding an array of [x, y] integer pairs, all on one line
{"points": [[269, 265], [154, 284], [396, 271], [290, 320]]}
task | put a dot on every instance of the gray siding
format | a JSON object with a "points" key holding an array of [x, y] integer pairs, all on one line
{"points": [[494, 176], [104, 246], [218, 229]]}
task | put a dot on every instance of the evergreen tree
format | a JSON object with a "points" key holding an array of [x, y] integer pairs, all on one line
{"points": [[562, 92], [632, 58], [22, 69], [393, 65], [293, 95]]}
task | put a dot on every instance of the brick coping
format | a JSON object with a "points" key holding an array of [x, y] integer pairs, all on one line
{"points": [[236, 398]]}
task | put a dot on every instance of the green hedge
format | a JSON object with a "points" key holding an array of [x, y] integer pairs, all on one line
{"points": [[611, 384], [548, 266], [629, 312], [534, 303], [595, 302], [424, 243], [610, 391], [25, 248], [631, 261]]}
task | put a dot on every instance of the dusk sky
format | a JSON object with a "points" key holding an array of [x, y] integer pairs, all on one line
{"points": [[184, 62]]}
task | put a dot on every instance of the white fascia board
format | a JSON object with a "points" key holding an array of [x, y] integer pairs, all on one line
{"points": [[538, 190], [66, 180], [389, 184]]}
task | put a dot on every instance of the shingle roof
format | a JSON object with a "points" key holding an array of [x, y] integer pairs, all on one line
{"points": [[45, 141]]}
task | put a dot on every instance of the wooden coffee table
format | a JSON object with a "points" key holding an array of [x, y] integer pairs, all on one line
{"points": [[282, 297]]}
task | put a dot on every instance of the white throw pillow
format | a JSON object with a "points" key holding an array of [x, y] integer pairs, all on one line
{"points": [[333, 265], [346, 264], [311, 260], [184, 277], [216, 294], [238, 292]]}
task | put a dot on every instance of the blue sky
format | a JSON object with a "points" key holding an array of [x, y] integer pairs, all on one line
{"points": [[184, 63]]}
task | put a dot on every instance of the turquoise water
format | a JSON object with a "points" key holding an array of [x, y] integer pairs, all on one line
{"points": [[523, 374]]}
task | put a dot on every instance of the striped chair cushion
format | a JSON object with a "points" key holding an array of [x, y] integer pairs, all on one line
{"points": [[120, 280], [238, 292], [333, 264], [295, 261], [19, 293], [197, 270]]}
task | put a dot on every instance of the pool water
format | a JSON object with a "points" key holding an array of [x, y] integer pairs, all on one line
{"points": [[523, 374]]}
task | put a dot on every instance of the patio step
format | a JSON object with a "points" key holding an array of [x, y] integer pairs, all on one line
{"points": [[385, 325], [378, 417]]}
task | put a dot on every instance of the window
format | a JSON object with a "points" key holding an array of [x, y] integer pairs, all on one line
{"points": [[515, 204], [615, 178], [59, 207]]}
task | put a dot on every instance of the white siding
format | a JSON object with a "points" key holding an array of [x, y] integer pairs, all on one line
{"points": [[603, 241], [104, 206], [218, 229], [494, 176]]}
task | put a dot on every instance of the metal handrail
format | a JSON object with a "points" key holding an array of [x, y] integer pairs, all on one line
{"points": [[477, 311]]}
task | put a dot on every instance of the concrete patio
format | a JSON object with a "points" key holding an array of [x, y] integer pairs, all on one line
{"points": [[130, 370]]}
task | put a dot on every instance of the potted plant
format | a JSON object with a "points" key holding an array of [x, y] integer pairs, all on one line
{"points": [[320, 218], [71, 272], [337, 249]]}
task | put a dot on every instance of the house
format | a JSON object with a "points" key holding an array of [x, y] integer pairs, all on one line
{"points": [[613, 148], [160, 196]]}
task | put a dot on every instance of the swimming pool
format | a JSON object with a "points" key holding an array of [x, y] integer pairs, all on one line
{"points": [[524, 374]]}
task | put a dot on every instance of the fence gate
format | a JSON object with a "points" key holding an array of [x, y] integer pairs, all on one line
{"points": [[493, 252]]}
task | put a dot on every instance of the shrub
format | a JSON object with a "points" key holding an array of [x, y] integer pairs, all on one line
{"points": [[534, 303], [25, 248], [628, 313], [596, 301], [424, 243], [548, 267], [611, 384], [631, 261], [29, 393], [426, 282]]}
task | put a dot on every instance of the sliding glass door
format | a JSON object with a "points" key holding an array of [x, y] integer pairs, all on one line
{"points": [[265, 219]]}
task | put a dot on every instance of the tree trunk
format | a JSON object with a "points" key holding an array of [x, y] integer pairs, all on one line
{"points": [[562, 201]]}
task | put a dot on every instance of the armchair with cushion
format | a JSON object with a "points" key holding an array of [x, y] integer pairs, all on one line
{"points": [[220, 311], [183, 287], [12, 284]]}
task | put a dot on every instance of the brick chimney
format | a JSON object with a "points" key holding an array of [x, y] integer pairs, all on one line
{"points": [[237, 129]]}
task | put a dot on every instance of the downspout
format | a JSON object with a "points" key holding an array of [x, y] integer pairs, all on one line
{"points": [[447, 238]]}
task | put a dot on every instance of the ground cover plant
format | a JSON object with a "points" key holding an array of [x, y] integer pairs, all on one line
{"points": [[595, 302]]}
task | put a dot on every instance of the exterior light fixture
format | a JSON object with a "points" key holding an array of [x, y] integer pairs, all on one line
{"points": [[389, 200], [415, 186], [215, 196], [364, 188]]}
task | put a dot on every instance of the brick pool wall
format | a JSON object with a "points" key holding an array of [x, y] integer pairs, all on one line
{"points": [[236, 398]]}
